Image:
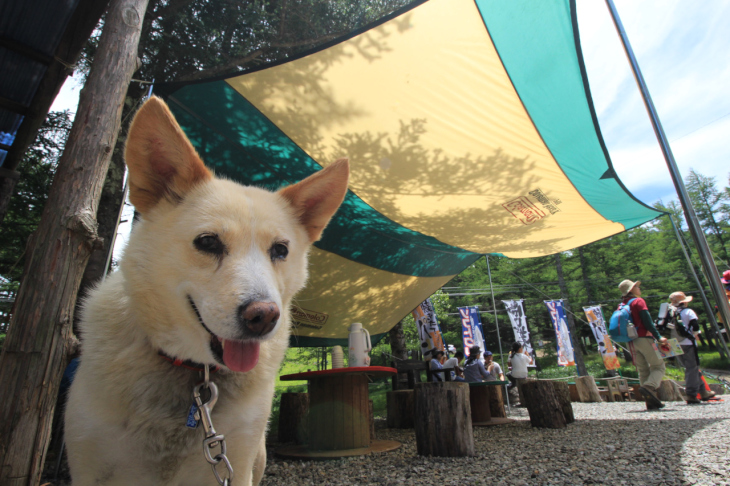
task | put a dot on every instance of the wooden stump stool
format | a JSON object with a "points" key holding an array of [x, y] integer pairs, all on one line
{"points": [[443, 420], [479, 404], [574, 397], [293, 412], [518, 383], [401, 409], [496, 402], [587, 389], [562, 392], [669, 391], [543, 405]]}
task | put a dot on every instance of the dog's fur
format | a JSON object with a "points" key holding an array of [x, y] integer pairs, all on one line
{"points": [[207, 263]]}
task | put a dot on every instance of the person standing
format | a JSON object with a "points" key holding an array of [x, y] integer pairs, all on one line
{"points": [[493, 368], [685, 331], [650, 366]]}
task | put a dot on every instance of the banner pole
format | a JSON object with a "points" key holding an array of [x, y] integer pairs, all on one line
{"points": [[703, 249], [496, 323]]}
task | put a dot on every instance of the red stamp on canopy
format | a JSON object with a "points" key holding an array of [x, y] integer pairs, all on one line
{"points": [[522, 209]]}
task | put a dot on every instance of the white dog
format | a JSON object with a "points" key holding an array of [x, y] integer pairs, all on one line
{"points": [[207, 279]]}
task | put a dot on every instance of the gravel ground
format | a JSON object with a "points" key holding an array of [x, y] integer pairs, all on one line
{"points": [[616, 443]]}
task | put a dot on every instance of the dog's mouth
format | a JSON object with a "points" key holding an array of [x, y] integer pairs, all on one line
{"points": [[235, 355]]}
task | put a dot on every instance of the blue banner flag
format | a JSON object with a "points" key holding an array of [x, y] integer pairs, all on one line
{"points": [[562, 333], [471, 328]]}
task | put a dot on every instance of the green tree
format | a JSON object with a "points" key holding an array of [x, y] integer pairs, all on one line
{"points": [[709, 203], [25, 208]]}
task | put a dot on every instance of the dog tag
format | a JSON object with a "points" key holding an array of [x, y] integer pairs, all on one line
{"points": [[193, 417]]}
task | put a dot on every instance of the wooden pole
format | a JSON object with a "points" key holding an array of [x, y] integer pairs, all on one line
{"points": [[34, 353]]}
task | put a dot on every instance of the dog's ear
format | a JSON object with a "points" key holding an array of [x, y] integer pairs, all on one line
{"points": [[317, 197], [161, 160]]}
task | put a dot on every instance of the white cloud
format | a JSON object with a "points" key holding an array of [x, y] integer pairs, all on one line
{"points": [[681, 47]]}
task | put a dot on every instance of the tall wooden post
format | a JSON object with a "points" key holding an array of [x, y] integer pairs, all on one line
{"points": [[34, 353]]}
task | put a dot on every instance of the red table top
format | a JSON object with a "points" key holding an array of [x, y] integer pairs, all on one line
{"points": [[364, 370]]}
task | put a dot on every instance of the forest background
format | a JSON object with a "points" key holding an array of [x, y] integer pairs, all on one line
{"points": [[186, 40]]}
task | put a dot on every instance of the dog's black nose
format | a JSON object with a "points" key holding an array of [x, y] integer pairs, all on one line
{"points": [[259, 318]]}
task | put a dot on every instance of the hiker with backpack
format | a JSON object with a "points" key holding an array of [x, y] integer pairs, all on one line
{"points": [[639, 332], [684, 328]]}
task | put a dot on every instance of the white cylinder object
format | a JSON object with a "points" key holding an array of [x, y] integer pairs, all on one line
{"points": [[338, 357], [359, 346]]}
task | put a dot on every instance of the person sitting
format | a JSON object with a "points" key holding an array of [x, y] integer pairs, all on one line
{"points": [[436, 359], [493, 368], [520, 359], [457, 374], [474, 370]]}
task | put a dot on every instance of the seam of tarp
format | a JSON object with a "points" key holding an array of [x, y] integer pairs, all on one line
{"points": [[547, 146], [172, 86], [591, 106], [462, 258]]}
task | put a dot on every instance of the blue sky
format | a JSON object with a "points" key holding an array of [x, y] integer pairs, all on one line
{"points": [[683, 49]]}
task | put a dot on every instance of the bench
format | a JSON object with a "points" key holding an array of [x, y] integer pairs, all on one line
{"points": [[412, 368]]}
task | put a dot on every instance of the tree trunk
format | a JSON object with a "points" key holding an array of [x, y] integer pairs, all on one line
{"points": [[584, 273], [35, 350], [577, 350], [587, 389], [398, 342], [82, 23], [543, 405], [107, 216], [443, 420], [293, 412]]}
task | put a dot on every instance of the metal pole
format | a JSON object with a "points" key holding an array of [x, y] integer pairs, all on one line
{"points": [[721, 345], [703, 249], [496, 323]]}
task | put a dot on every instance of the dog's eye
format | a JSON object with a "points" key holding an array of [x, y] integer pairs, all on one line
{"points": [[210, 244], [279, 251]]}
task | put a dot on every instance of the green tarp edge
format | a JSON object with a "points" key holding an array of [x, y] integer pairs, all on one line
{"points": [[239, 142], [537, 44]]}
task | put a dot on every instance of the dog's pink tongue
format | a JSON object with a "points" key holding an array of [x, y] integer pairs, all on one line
{"points": [[241, 356]]}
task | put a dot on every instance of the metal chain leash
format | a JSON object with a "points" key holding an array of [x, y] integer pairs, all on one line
{"points": [[212, 439]]}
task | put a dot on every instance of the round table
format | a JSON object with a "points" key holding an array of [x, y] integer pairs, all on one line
{"points": [[339, 416]]}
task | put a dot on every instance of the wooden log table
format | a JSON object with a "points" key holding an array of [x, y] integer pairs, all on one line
{"points": [[339, 418], [487, 403]]}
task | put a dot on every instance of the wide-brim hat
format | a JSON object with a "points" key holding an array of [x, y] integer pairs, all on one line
{"points": [[679, 298], [725, 277], [626, 286]]}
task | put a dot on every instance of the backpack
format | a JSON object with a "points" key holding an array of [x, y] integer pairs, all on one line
{"points": [[621, 327]]}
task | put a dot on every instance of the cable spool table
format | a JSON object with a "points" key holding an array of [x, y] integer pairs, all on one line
{"points": [[339, 418]]}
